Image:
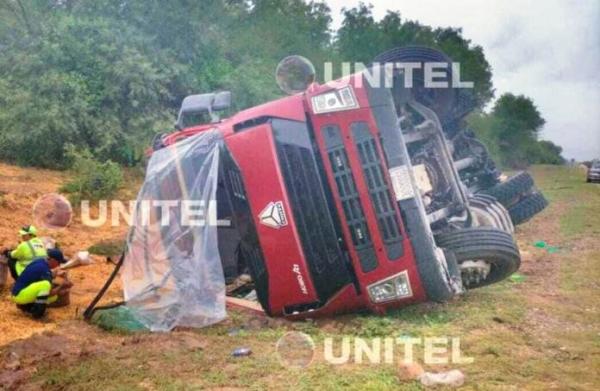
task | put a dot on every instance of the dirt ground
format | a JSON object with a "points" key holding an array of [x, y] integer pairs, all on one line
{"points": [[19, 190], [539, 330]]}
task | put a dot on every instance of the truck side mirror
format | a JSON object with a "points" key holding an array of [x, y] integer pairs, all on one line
{"points": [[222, 101], [203, 104]]}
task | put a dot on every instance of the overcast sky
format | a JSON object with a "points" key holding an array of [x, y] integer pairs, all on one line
{"points": [[548, 50]]}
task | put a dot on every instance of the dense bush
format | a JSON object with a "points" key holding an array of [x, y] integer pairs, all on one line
{"points": [[105, 76], [91, 179], [80, 83]]}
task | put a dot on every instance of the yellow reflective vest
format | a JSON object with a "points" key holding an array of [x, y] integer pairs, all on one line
{"points": [[27, 252]]}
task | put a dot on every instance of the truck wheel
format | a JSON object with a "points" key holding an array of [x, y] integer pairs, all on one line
{"points": [[488, 212], [440, 100], [485, 255], [527, 208], [510, 190]]}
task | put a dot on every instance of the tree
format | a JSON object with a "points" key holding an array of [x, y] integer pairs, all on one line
{"points": [[485, 127], [549, 153], [519, 114], [106, 75], [80, 83], [517, 127], [511, 132], [361, 38]]}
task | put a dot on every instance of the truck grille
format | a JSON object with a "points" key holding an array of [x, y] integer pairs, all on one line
{"points": [[236, 184], [243, 251], [349, 197], [387, 220], [309, 205], [256, 262]]}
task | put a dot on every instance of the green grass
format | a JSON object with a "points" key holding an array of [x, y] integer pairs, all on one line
{"points": [[535, 334], [582, 200]]}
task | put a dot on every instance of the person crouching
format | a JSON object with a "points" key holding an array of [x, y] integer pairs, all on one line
{"points": [[33, 291]]}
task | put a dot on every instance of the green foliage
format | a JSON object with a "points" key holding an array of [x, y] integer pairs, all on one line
{"points": [[548, 153], [105, 76], [519, 110], [92, 180], [516, 126], [511, 133], [81, 83], [361, 38], [484, 125]]}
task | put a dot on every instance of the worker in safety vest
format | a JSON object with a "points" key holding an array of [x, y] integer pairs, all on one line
{"points": [[41, 285], [32, 289], [30, 249]]}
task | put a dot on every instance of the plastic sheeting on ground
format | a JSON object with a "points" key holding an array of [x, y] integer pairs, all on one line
{"points": [[172, 274], [121, 319]]}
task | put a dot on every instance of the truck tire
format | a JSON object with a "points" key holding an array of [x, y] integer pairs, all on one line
{"points": [[527, 208], [440, 100], [491, 245], [490, 213], [509, 191]]}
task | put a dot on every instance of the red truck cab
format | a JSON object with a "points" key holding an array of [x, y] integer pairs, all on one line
{"points": [[325, 216]]}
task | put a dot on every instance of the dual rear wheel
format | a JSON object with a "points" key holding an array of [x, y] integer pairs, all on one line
{"points": [[485, 255], [519, 195]]}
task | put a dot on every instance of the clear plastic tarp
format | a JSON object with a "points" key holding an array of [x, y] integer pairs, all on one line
{"points": [[172, 274]]}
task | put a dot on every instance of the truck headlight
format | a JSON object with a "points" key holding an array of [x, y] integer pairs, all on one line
{"points": [[336, 100], [392, 288]]}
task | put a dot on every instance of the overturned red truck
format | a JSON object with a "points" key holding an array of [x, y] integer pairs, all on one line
{"points": [[346, 197]]}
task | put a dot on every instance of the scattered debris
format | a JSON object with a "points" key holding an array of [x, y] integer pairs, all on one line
{"points": [[240, 281], [81, 258], [517, 278], [548, 248], [408, 371], [241, 352], [540, 244], [251, 296], [453, 378], [232, 332], [49, 243]]}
